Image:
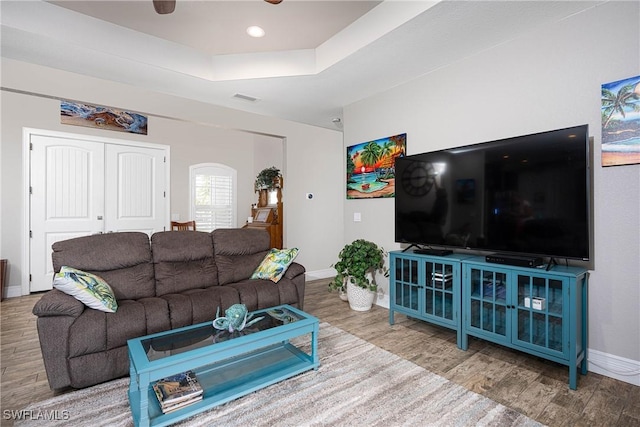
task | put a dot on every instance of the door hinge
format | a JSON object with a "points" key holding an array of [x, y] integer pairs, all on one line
{"points": [[30, 234], [164, 159], [30, 190], [31, 146], [164, 194], [29, 277]]}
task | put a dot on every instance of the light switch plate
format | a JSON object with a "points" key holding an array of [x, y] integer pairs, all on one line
{"points": [[357, 217]]}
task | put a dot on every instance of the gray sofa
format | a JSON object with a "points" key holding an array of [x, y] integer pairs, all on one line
{"points": [[174, 279]]}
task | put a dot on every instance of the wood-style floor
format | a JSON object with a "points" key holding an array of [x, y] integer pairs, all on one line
{"points": [[532, 386]]}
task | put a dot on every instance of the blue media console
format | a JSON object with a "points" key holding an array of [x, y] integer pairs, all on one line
{"points": [[534, 310]]}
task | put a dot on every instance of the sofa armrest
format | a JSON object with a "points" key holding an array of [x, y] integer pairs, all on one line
{"points": [[57, 303], [295, 273], [294, 270], [56, 313]]}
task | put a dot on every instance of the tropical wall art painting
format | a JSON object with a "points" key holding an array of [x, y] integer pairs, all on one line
{"points": [[371, 167], [93, 116], [621, 122]]}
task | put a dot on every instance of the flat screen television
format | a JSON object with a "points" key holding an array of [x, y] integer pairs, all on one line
{"points": [[527, 195]]}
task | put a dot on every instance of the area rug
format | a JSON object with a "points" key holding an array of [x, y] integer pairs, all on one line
{"points": [[357, 384]]}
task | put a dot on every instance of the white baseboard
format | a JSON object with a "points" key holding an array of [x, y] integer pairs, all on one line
{"points": [[320, 274], [615, 367], [382, 299], [13, 291]]}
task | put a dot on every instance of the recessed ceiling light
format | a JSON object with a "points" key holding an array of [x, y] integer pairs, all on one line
{"points": [[255, 31]]}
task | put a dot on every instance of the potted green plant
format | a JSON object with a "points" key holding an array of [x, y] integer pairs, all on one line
{"points": [[268, 179], [357, 264]]}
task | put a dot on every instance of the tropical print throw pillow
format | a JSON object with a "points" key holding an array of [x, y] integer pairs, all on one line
{"points": [[87, 288], [275, 264]]}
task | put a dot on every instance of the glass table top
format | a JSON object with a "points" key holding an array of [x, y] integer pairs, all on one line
{"points": [[205, 334]]}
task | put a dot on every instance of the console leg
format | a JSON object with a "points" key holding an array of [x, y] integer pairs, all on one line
{"points": [[464, 341], [573, 376]]}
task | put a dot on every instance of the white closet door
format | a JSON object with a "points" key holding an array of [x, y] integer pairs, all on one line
{"points": [[67, 198], [134, 189]]}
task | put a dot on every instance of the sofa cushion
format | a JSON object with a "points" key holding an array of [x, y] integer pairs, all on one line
{"points": [[95, 331], [95, 368], [88, 334], [129, 322], [122, 259], [87, 288], [275, 264], [199, 305], [258, 294], [156, 312], [238, 252], [182, 261]]}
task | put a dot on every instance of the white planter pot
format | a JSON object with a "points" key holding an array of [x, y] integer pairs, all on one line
{"points": [[360, 299]]}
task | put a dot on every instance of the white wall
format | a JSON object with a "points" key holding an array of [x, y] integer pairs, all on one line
{"points": [[544, 80], [196, 132]]}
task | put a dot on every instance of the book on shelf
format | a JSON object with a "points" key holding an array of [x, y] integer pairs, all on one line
{"points": [[180, 389], [181, 404]]}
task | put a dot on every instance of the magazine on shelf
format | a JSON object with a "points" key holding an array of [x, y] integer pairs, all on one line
{"points": [[181, 404], [176, 389]]}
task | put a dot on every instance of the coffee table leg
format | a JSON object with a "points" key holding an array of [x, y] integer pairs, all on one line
{"points": [[134, 391], [314, 346], [143, 389], [139, 398]]}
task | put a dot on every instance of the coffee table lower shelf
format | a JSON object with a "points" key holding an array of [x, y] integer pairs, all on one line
{"points": [[230, 379]]}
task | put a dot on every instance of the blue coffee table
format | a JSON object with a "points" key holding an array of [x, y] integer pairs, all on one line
{"points": [[227, 365]]}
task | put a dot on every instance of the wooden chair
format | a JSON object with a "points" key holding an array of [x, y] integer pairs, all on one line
{"points": [[183, 226]]}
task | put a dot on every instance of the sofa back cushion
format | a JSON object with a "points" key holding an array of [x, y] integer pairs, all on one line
{"points": [[238, 252], [183, 260], [123, 260]]}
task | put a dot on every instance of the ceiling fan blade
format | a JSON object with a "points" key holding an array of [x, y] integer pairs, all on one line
{"points": [[274, 1], [164, 7]]}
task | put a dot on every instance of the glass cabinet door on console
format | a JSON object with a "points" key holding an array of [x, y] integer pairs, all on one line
{"points": [[540, 313], [407, 291], [426, 288], [507, 306], [439, 295], [488, 303]]}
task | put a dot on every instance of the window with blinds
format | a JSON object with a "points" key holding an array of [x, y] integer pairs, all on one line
{"points": [[213, 196]]}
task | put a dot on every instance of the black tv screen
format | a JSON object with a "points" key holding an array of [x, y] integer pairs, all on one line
{"points": [[527, 195]]}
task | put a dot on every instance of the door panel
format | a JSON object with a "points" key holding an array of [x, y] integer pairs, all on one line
{"points": [[81, 187], [135, 193], [67, 199]]}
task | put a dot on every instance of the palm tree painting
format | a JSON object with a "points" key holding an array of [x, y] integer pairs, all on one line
{"points": [[621, 122], [371, 167]]}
